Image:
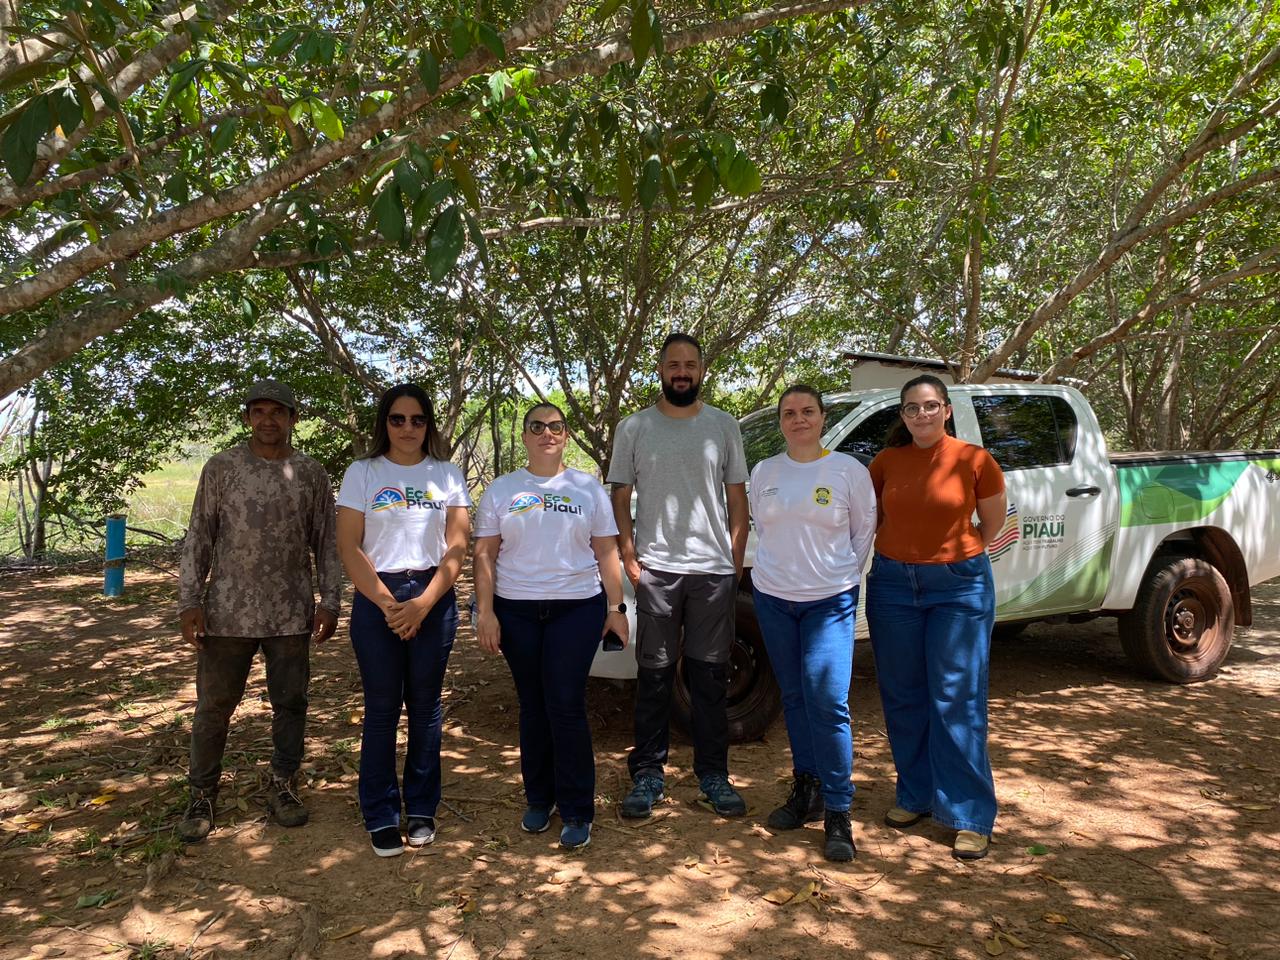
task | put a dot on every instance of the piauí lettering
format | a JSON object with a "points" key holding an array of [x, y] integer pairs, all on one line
{"points": [[552, 502]]}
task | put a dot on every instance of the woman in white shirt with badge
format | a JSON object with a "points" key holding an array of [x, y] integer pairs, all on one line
{"points": [[402, 534], [815, 517], [548, 587]]}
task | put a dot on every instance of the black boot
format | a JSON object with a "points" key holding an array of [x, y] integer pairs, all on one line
{"points": [[839, 837], [804, 805]]}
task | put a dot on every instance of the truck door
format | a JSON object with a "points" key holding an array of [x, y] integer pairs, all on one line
{"points": [[1054, 553]]}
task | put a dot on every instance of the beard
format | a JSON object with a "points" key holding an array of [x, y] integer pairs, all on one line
{"points": [[680, 398]]}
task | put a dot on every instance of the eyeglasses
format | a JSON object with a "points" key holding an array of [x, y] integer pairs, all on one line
{"points": [[397, 420], [555, 426], [929, 407]]}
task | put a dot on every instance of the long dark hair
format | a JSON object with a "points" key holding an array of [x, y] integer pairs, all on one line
{"points": [[899, 435], [433, 442]]}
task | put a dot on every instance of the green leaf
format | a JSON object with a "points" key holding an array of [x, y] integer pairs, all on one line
{"points": [[466, 182], [177, 188], [326, 120], [669, 188], [477, 236], [499, 84], [606, 10], [69, 111], [444, 243], [388, 213], [299, 109], [429, 71], [224, 135], [23, 136], [741, 176], [1037, 849], [704, 187], [459, 38], [492, 41], [773, 103], [282, 44], [650, 182], [641, 33], [428, 199], [408, 180], [95, 899], [626, 181]]}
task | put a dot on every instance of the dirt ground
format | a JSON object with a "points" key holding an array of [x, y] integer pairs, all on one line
{"points": [[1138, 820]]}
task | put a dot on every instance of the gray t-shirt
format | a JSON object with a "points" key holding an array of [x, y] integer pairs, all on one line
{"points": [[679, 467]]}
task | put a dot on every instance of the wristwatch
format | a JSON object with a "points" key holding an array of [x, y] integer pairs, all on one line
{"points": [[617, 608]]}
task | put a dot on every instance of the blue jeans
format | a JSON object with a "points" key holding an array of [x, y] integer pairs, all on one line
{"points": [[810, 645], [395, 673], [549, 645], [931, 633]]}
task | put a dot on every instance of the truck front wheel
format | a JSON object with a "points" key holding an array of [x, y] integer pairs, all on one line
{"points": [[754, 700], [1181, 625]]}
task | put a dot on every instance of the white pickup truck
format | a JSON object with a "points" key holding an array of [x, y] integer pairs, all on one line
{"points": [[1170, 543]]}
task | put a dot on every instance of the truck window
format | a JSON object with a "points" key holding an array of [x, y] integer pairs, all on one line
{"points": [[1027, 431], [867, 439]]}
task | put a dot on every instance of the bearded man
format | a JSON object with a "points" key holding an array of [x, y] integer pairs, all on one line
{"points": [[684, 461]]}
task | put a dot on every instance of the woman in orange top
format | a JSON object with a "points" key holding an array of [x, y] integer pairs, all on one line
{"points": [[930, 609]]}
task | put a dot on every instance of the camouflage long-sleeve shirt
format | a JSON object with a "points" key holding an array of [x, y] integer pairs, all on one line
{"points": [[255, 526]]}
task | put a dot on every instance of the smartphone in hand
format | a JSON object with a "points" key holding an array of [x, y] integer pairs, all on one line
{"points": [[611, 642]]}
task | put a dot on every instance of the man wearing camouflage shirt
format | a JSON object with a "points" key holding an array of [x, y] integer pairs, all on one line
{"points": [[262, 510]]}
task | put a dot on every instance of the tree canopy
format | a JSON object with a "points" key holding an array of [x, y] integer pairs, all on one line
{"points": [[515, 197]]}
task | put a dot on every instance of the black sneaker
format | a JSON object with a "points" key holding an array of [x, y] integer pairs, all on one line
{"points": [[536, 819], [284, 804], [804, 805], [575, 834], [839, 832], [645, 792], [197, 822], [719, 794], [386, 842], [421, 831]]}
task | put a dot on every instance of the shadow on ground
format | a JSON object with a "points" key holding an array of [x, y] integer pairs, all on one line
{"points": [[1138, 820]]}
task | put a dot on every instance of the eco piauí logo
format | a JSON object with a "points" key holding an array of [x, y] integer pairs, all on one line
{"points": [[388, 498], [525, 502]]}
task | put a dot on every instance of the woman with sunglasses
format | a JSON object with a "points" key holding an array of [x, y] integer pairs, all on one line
{"points": [[548, 586], [930, 609], [402, 533]]}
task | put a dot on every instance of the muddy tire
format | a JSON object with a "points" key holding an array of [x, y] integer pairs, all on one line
{"points": [[754, 698], [1181, 625]]}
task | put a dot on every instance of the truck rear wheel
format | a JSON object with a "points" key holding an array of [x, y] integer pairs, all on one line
{"points": [[1181, 625], [754, 698]]}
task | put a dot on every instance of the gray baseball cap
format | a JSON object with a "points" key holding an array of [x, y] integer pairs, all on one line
{"points": [[271, 390]]}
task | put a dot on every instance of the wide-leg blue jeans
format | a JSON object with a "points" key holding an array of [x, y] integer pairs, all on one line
{"points": [[396, 673], [549, 646], [931, 633], [810, 645]]}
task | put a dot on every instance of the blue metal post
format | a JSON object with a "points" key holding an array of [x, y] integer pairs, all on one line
{"points": [[113, 569]]}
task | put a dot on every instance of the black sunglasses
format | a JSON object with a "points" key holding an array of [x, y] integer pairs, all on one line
{"points": [[537, 426], [397, 420]]}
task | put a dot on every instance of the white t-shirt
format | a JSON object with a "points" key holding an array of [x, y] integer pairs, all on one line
{"points": [[546, 525], [404, 509], [814, 525]]}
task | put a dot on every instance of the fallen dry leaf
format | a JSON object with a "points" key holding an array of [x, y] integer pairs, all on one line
{"points": [[347, 933], [994, 947], [102, 799], [1055, 918], [779, 896]]}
